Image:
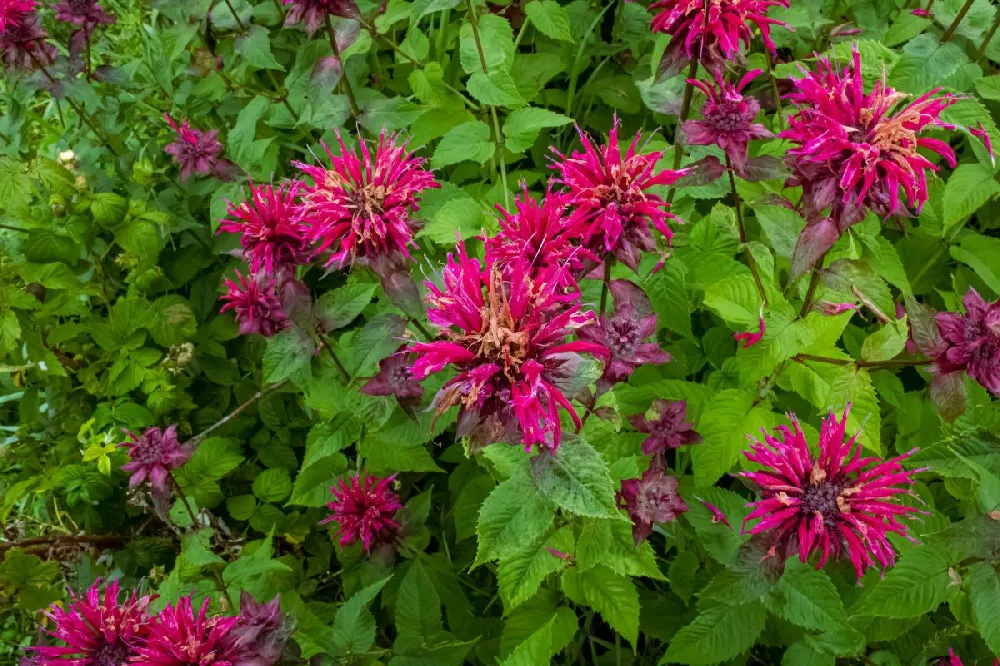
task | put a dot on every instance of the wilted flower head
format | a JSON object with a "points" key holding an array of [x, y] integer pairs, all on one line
{"points": [[667, 429], [506, 331], [86, 13], [197, 151], [181, 638], [364, 508], [650, 500], [835, 504], [624, 334], [153, 455], [96, 629], [972, 341], [610, 196], [13, 11], [727, 117], [23, 44], [712, 31], [256, 305], [750, 338], [273, 240], [854, 151], [258, 636], [395, 377], [718, 516], [359, 208], [541, 235], [314, 12]]}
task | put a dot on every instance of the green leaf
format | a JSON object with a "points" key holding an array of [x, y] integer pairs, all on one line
{"points": [[781, 226], [468, 141], [255, 571], [988, 87], [418, 606], [968, 188], [379, 338], [459, 218], [44, 246], [735, 299], [594, 544], [550, 19], [982, 254], [173, 321], [255, 48], [536, 649], [611, 595], [719, 633], [520, 576], [241, 507], [338, 308], [288, 356], [15, 185], [724, 425], [354, 628], [326, 439], [667, 292], [523, 125], [495, 89], [984, 590], [497, 39], [576, 479], [272, 485], [887, 342], [312, 485], [628, 559], [854, 386], [916, 585], [512, 518], [801, 653], [806, 597]]}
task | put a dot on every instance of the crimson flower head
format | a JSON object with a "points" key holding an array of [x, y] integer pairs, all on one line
{"points": [[837, 503], [506, 331], [359, 208], [750, 338], [395, 377], [197, 151], [255, 302], [86, 13], [979, 131], [12, 12], [314, 12], [364, 508], [23, 42], [611, 197], [96, 629], [668, 428], [954, 660], [541, 235], [153, 455], [182, 638], [650, 500], [258, 636], [713, 31], [727, 117], [856, 151], [972, 341], [274, 241], [624, 334]]}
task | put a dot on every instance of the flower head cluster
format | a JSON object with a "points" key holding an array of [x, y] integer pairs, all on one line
{"points": [[505, 329], [855, 151], [651, 499], [727, 118], [258, 636], [314, 12], [359, 208], [255, 302], [395, 377], [610, 194], [181, 636], [972, 341], [835, 504], [12, 12], [197, 151], [87, 14], [23, 44], [364, 508], [153, 455], [713, 31], [96, 629], [668, 428], [274, 241]]}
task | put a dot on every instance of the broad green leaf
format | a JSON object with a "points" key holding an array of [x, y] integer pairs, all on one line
{"points": [[724, 424], [854, 386], [887, 342], [15, 185], [576, 479], [916, 585], [735, 299], [550, 18], [667, 292], [338, 308], [512, 518], [982, 254], [495, 89], [312, 485], [611, 595], [354, 629], [458, 219], [968, 188], [984, 590], [288, 356], [255, 48], [520, 576], [807, 598], [801, 653], [523, 125], [468, 141], [272, 485], [497, 40], [418, 606], [719, 633], [536, 649]]}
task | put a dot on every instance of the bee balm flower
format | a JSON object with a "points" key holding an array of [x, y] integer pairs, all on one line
{"points": [[364, 508], [273, 240], [314, 12], [972, 341], [153, 455], [197, 151], [256, 305], [651, 499], [180, 637]]}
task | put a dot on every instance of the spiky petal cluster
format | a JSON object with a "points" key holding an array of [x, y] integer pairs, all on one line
{"points": [[85, 13], [972, 341], [364, 508], [834, 504], [13, 11], [954, 660], [197, 151], [727, 117], [856, 151], [610, 195], [668, 427], [713, 31], [153, 455], [182, 638], [258, 636], [651, 499], [96, 629], [23, 44], [255, 302], [359, 208], [273, 239], [314, 12], [506, 331]]}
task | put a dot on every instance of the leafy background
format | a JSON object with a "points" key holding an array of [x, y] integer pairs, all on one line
{"points": [[111, 272]]}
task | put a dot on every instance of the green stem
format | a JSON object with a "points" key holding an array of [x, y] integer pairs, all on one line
{"points": [[811, 291], [606, 283], [958, 19], [685, 111], [197, 439], [236, 16], [10, 228], [344, 79], [774, 90], [497, 134], [184, 500], [282, 93], [874, 365], [84, 116], [423, 329], [336, 361], [737, 206], [988, 38], [575, 71]]}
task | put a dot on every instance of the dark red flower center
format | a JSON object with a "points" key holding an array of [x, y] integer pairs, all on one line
{"points": [[622, 335], [824, 497], [150, 450], [111, 654]]}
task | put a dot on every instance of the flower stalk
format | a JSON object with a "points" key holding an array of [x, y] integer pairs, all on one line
{"points": [[737, 206], [345, 81]]}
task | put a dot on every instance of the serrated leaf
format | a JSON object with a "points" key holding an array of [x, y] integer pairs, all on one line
{"points": [[458, 219], [807, 598], [984, 590], [523, 125], [312, 485], [576, 479], [468, 141], [272, 485], [735, 299], [520, 576], [550, 19], [338, 308], [717, 634], [513, 516], [288, 356], [418, 606], [497, 40], [982, 254], [887, 342], [536, 649], [854, 386], [916, 585], [354, 628], [968, 188], [611, 595]]}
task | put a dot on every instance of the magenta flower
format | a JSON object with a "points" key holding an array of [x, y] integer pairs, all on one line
{"points": [[274, 241], [12, 12], [506, 332], [180, 637], [359, 208], [258, 636], [668, 428], [727, 118], [256, 305], [650, 500], [954, 660], [23, 44], [96, 629], [153, 455], [542, 235], [920, 11], [980, 132], [749, 338], [610, 195], [314, 12], [395, 377], [85, 13], [717, 515], [712, 31], [831, 309], [624, 334], [197, 151], [364, 509], [835, 504], [972, 341], [853, 151]]}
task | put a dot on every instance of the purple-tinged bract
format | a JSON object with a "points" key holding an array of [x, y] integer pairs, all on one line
{"points": [[258, 636], [23, 42], [85, 13], [650, 500], [315, 12], [274, 241], [364, 508], [610, 193], [395, 377], [668, 429], [153, 455], [182, 638], [96, 629], [359, 208], [198, 151], [972, 341], [750, 338], [255, 302], [506, 331], [12, 12], [835, 504]]}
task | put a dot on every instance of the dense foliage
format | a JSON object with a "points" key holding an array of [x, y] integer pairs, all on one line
{"points": [[520, 332]]}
